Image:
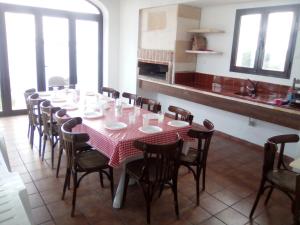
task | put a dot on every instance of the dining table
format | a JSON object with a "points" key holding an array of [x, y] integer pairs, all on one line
{"points": [[113, 126]]}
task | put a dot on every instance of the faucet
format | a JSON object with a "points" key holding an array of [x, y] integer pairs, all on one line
{"points": [[252, 88]]}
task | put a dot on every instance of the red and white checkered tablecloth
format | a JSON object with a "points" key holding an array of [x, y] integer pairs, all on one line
{"points": [[117, 145]]}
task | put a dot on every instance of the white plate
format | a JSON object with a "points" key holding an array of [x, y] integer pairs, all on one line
{"points": [[151, 116], [127, 106], [90, 93], [57, 99], [115, 125], [92, 115], [178, 123], [44, 94], [150, 129], [70, 107]]}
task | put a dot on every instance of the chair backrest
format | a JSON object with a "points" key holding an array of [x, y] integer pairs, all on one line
{"points": [[27, 93], [281, 140], [270, 149], [110, 92], [34, 109], [47, 112], [71, 139], [131, 97], [161, 162], [204, 138], [181, 114], [61, 117], [152, 105]]}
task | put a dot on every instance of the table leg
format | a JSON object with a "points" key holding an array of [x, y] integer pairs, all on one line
{"points": [[117, 204]]}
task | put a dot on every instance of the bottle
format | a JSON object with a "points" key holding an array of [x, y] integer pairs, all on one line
{"points": [[290, 94]]}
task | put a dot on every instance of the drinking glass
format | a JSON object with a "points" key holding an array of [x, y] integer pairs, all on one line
{"points": [[145, 121], [131, 118], [161, 117]]}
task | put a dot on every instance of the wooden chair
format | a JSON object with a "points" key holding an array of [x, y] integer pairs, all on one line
{"points": [[110, 92], [35, 118], [180, 114], [284, 180], [84, 161], [281, 141], [196, 158], [50, 129], [27, 93], [158, 167], [61, 117], [151, 105], [131, 97]]}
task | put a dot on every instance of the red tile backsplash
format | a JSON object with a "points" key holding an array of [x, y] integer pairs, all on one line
{"points": [[228, 84]]}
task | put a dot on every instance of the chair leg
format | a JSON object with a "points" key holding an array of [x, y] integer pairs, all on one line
{"points": [[44, 147], [148, 204], [32, 136], [74, 193], [259, 193], [40, 140], [174, 188], [198, 172], [111, 174], [28, 130], [269, 195], [59, 159], [203, 177], [66, 183], [101, 179], [52, 151]]}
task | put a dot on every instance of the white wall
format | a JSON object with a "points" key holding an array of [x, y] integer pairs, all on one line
{"points": [[111, 39], [230, 123]]}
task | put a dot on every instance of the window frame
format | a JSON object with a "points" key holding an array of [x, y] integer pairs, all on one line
{"points": [[258, 62]]}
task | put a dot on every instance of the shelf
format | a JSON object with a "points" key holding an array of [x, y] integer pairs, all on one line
{"points": [[203, 52], [206, 30]]}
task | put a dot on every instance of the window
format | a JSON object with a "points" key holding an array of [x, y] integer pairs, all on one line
{"points": [[264, 40]]}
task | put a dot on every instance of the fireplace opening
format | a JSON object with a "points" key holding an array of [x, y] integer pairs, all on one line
{"points": [[153, 70]]}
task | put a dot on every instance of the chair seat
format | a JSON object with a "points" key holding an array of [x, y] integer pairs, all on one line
{"points": [[190, 157], [135, 169], [283, 178], [91, 160]]}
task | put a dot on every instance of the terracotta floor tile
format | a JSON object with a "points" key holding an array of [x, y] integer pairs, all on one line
{"points": [[275, 215], [31, 189], [227, 197], [50, 196], [195, 215], [40, 215], [79, 219], [232, 217], [35, 200], [212, 221], [212, 205], [60, 208]]}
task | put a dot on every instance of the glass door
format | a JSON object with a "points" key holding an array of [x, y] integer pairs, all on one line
{"points": [[87, 54], [21, 51], [56, 48]]}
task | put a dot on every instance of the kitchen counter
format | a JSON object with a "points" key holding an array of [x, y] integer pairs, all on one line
{"points": [[255, 108]]}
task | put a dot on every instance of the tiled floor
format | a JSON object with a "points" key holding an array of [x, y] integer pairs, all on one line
{"points": [[233, 176]]}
